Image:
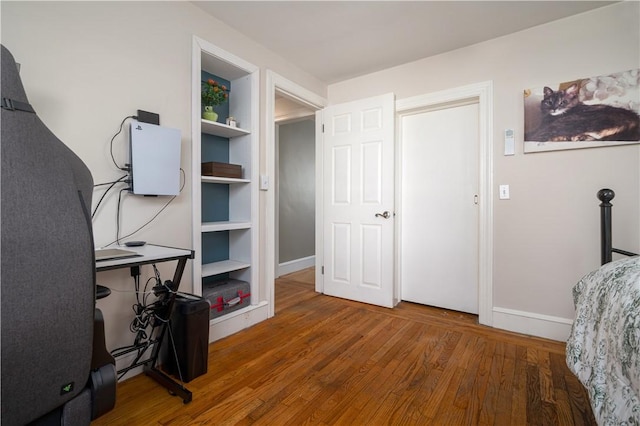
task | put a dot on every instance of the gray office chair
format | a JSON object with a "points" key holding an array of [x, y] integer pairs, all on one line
{"points": [[55, 366]]}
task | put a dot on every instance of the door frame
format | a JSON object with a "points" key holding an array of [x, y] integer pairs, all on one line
{"points": [[275, 82], [483, 92]]}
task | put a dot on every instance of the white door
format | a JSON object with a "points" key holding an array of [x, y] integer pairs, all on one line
{"points": [[439, 236], [358, 200]]}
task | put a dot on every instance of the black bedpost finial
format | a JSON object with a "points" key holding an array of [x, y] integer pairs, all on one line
{"points": [[605, 195]]}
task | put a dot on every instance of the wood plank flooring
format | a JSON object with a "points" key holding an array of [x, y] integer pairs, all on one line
{"points": [[323, 360]]}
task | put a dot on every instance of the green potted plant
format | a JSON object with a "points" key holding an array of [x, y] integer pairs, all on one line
{"points": [[213, 93]]}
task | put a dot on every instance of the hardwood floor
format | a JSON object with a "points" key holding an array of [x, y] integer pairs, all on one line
{"points": [[323, 360]]}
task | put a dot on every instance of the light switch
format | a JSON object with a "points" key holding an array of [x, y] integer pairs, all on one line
{"points": [[264, 182], [504, 192]]}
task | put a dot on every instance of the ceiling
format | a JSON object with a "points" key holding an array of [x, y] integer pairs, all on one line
{"points": [[338, 40]]}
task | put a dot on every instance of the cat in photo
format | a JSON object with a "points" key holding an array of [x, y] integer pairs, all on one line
{"points": [[565, 118]]}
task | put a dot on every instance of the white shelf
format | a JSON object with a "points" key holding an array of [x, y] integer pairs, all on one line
{"points": [[224, 226], [219, 129], [224, 266], [240, 196], [216, 179]]}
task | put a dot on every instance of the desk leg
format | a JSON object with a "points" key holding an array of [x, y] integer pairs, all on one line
{"points": [[177, 276], [151, 370], [168, 383]]}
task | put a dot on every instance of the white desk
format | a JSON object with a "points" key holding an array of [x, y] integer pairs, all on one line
{"points": [[150, 254]]}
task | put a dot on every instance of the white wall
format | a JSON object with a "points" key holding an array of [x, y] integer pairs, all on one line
{"points": [[547, 236], [87, 65]]}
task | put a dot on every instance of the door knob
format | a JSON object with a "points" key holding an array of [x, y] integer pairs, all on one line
{"points": [[385, 214]]}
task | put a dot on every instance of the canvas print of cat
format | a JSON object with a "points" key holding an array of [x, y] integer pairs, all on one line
{"points": [[596, 111]]}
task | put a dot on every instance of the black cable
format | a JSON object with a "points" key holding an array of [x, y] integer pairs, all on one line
{"points": [[136, 283], [143, 314], [117, 240], [118, 216], [107, 183], [146, 295], [157, 274], [158, 279], [105, 193], [114, 136], [175, 352], [147, 315]]}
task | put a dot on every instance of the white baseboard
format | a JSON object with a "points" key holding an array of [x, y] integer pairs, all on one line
{"points": [[539, 325], [239, 320], [296, 265]]}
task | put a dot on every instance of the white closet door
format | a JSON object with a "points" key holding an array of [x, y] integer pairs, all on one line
{"points": [[439, 236]]}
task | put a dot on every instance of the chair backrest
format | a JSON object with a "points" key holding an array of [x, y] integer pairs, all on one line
{"points": [[47, 263]]}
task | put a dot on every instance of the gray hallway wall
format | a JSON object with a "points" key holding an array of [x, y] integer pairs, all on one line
{"points": [[296, 186]]}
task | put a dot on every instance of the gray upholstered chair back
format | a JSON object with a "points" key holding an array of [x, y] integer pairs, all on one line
{"points": [[48, 270]]}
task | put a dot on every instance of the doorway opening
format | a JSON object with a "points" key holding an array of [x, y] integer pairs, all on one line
{"points": [[281, 92], [294, 185]]}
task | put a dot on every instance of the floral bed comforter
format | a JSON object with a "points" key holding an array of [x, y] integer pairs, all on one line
{"points": [[603, 350]]}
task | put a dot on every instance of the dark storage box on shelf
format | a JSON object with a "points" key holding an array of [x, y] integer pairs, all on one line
{"points": [[226, 296], [214, 168]]}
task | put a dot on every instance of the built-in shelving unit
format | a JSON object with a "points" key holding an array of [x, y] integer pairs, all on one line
{"points": [[225, 222]]}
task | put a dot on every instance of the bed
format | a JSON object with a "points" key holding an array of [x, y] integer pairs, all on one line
{"points": [[603, 349]]}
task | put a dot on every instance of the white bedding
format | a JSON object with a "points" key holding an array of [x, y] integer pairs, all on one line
{"points": [[603, 350]]}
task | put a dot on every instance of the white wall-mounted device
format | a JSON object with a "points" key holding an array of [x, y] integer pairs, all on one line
{"points": [[155, 159], [509, 142]]}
